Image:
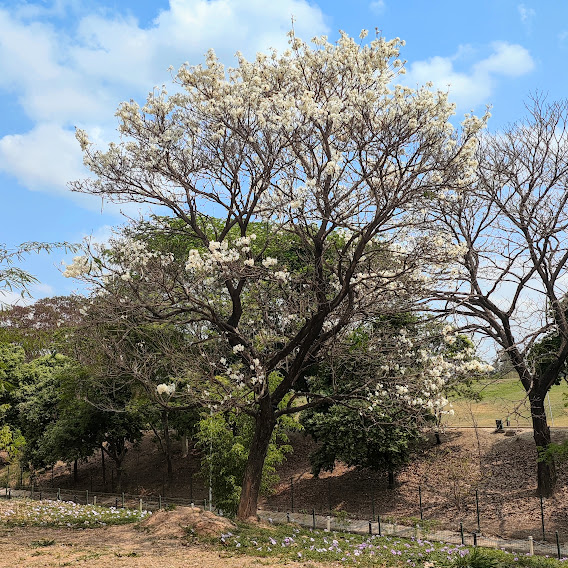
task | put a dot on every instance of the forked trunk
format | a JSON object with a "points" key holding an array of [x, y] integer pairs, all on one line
{"points": [[546, 470], [252, 478]]}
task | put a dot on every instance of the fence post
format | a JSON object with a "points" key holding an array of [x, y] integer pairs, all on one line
{"points": [[475, 539], [58, 494], [287, 516], [477, 510], [123, 500], [292, 494], [87, 496], [420, 501], [531, 546], [160, 502], [328, 524], [371, 528], [94, 499], [461, 533], [542, 518], [379, 524], [372, 500], [558, 546], [140, 506], [314, 519]]}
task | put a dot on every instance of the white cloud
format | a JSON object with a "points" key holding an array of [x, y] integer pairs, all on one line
{"points": [[378, 7], [509, 60], [526, 14], [77, 78], [475, 86], [10, 298], [13, 298], [47, 156]]}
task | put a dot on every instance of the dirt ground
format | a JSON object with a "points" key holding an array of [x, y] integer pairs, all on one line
{"points": [[159, 541], [118, 546], [501, 467]]}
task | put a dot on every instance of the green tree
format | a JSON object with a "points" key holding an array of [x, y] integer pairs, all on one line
{"points": [[319, 143]]}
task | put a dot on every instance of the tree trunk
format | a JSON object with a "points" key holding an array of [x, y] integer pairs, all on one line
{"points": [[391, 479], [184, 446], [265, 422], [546, 471], [103, 467], [167, 445]]}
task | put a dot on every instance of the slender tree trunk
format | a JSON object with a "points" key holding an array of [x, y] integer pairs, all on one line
{"points": [[546, 471], [103, 466], [264, 427], [167, 444], [184, 446]]}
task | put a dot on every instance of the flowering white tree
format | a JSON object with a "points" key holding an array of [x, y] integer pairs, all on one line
{"points": [[512, 282], [322, 170]]}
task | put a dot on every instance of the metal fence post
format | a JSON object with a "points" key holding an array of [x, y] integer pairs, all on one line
{"points": [[461, 533], [477, 510], [314, 519], [292, 494], [542, 517], [372, 500], [379, 524], [558, 546], [420, 501]]}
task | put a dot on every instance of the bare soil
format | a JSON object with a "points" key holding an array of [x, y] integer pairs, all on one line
{"points": [[118, 546], [500, 467]]}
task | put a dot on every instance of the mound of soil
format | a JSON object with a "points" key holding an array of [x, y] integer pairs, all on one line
{"points": [[176, 523]]}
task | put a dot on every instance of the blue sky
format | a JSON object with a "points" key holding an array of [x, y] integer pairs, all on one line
{"points": [[70, 63]]}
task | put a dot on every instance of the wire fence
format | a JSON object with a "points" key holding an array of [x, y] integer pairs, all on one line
{"points": [[387, 527], [392, 529], [85, 497]]}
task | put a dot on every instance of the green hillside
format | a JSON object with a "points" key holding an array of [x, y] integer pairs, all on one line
{"points": [[505, 398]]}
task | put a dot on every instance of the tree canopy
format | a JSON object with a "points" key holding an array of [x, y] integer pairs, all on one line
{"points": [[339, 165]]}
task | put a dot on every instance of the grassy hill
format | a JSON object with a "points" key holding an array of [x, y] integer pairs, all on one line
{"points": [[505, 398]]}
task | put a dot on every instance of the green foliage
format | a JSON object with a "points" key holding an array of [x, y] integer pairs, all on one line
{"points": [[553, 453], [476, 558], [357, 439], [12, 442], [285, 543], [225, 441]]}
